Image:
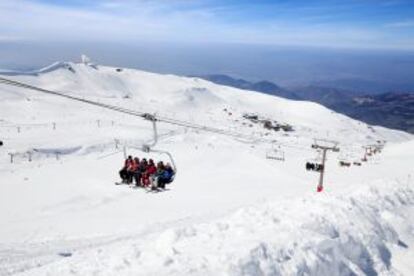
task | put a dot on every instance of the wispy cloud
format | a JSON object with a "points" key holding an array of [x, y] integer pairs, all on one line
{"points": [[7, 38], [311, 22], [401, 24]]}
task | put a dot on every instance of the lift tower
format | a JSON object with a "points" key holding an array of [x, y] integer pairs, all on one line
{"points": [[325, 146]]}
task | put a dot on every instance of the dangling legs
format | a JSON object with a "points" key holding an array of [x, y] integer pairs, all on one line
{"points": [[137, 177], [124, 175]]}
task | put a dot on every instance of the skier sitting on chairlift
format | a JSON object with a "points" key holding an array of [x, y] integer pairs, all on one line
{"points": [[163, 176], [133, 166], [142, 168], [136, 171], [314, 167], [123, 173], [310, 166], [166, 177], [150, 170], [156, 177]]}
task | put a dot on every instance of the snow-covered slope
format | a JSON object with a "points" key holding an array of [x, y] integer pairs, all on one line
{"points": [[229, 211]]}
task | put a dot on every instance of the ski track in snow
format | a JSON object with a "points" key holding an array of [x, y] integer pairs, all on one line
{"points": [[230, 211]]}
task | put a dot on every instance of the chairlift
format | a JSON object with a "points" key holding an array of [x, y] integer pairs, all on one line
{"points": [[315, 164], [149, 148], [275, 153], [317, 167], [343, 161]]}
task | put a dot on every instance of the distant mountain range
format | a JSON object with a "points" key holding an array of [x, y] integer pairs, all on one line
{"points": [[266, 87], [393, 110]]}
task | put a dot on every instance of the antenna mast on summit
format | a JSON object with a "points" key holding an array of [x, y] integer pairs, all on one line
{"points": [[325, 146]]}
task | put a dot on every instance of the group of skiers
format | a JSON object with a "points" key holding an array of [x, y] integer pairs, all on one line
{"points": [[145, 173], [314, 167]]}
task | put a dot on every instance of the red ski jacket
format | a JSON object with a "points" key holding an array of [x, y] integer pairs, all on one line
{"points": [[133, 166], [127, 163], [151, 170]]}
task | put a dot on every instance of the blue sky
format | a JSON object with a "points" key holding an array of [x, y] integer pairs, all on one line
{"points": [[338, 24]]}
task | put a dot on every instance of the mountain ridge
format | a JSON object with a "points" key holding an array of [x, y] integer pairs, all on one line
{"points": [[397, 114]]}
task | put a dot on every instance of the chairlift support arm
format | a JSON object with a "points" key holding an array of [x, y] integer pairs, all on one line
{"points": [[153, 119]]}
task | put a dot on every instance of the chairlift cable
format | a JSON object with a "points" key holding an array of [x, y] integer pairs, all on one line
{"points": [[143, 115]]}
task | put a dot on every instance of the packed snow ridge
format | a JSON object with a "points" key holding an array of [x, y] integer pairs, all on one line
{"points": [[230, 210]]}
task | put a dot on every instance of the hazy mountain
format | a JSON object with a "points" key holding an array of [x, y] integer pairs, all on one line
{"points": [[266, 87], [325, 95], [392, 110], [364, 86]]}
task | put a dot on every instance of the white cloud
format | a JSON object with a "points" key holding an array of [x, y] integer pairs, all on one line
{"points": [[175, 20], [5, 38], [401, 24]]}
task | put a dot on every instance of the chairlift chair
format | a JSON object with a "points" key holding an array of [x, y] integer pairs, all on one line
{"points": [[343, 161], [316, 167], [275, 153], [314, 164], [149, 148]]}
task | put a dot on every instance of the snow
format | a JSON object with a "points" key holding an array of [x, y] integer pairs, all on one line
{"points": [[230, 211], [339, 235]]}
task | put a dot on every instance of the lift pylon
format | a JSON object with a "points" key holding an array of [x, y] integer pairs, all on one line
{"points": [[324, 146]]}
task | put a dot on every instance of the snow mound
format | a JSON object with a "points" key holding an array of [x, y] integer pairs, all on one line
{"points": [[336, 236], [322, 235], [197, 97], [57, 150]]}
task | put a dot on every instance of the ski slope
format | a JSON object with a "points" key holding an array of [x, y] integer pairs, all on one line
{"points": [[230, 211]]}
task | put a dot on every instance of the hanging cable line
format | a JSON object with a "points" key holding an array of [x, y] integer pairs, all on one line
{"points": [[143, 115], [148, 116]]}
